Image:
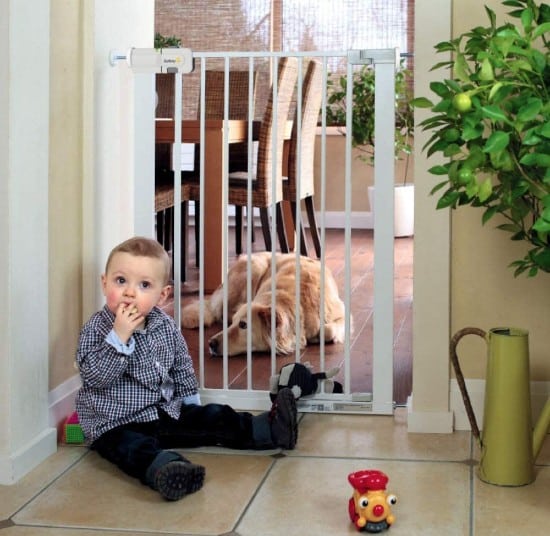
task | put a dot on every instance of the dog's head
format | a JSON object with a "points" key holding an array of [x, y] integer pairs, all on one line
{"points": [[260, 328]]}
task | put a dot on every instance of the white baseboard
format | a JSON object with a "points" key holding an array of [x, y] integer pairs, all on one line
{"points": [[15, 466], [61, 401], [333, 220], [428, 422], [60, 406], [337, 220], [540, 391]]}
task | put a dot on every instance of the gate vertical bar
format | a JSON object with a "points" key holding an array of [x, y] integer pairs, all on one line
{"points": [[176, 167], [384, 179]]}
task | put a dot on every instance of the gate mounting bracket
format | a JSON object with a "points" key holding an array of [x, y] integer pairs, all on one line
{"points": [[371, 56], [156, 60]]}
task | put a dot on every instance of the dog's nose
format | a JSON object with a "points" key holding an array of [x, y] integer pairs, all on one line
{"points": [[213, 344]]}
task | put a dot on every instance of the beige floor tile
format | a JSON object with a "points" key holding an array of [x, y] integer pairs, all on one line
{"points": [[544, 455], [310, 496], [44, 531], [376, 437], [95, 494], [512, 511], [16, 495], [543, 458]]}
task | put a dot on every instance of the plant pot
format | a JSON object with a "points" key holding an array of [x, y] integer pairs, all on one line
{"points": [[403, 219]]}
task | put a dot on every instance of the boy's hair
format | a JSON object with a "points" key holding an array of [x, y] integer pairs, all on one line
{"points": [[140, 246]]}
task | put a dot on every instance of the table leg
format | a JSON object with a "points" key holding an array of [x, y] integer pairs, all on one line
{"points": [[214, 209]]}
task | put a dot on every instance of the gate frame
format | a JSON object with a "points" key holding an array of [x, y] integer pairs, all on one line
{"points": [[385, 62]]}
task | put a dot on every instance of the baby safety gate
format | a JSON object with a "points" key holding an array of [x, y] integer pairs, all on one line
{"points": [[184, 62]]}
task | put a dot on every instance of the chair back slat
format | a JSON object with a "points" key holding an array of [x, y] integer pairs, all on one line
{"points": [[286, 82], [312, 94]]}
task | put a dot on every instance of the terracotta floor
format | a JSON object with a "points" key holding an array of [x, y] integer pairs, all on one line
{"points": [[362, 310]]}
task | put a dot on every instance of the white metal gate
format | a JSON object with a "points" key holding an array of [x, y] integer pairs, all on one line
{"points": [[380, 400]]}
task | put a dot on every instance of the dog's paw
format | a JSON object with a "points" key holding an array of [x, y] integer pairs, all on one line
{"points": [[190, 316], [334, 332]]}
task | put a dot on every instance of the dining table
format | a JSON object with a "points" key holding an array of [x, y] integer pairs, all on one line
{"points": [[213, 205]]}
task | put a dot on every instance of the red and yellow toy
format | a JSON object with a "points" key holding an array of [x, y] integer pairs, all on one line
{"points": [[370, 505]]}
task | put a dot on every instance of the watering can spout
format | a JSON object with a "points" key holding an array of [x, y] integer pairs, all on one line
{"points": [[541, 429]]}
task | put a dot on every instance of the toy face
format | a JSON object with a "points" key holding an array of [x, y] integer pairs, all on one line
{"points": [[373, 507]]}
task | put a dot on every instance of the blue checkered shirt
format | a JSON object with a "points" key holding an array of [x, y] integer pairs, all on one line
{"points": [[124, 383]]}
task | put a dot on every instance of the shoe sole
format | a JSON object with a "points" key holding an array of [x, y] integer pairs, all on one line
{"points": [[177, 479], [286, 410]]}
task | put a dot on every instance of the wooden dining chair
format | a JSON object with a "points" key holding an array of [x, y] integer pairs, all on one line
{"points": [[239, 81], [302, 152], [214, 109], [164, 178], [269, 150]]}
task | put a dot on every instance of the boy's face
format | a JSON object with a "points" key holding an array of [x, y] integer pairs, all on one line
{"points": [[134, 281]]}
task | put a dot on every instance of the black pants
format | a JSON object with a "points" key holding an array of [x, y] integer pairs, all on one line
{"points": [[133, 447]]}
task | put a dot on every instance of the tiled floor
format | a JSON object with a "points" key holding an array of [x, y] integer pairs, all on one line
{"points": [[300, 492]]}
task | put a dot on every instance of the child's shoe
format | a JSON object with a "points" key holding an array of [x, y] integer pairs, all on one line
{"points": [[284, 420], [178, 478]]}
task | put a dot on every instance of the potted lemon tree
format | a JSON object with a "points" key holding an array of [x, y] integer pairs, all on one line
{"points": [[362, 132], [491, 123]]}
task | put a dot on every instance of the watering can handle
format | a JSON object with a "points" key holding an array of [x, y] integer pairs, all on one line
{"points": [[460, 377]]}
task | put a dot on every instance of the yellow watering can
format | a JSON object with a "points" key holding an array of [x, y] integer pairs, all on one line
{"points": [[509, 446]]}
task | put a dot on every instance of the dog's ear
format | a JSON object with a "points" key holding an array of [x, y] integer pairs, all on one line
{"points": [[264, 314]]}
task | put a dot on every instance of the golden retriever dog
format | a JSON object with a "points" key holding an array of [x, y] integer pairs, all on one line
{"points": [[261, 301]]}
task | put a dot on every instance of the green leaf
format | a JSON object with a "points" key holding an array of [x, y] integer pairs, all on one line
{"points": [[544, 130], [541, 30], [451, 150], [502, 160], [509, 227], [542, 226], [445, 46], [486, 72], [492, 16], [438, 170], [536, 159], [448, 199], [460, 69], [498, 141], [527, 19], [530, 110], [485, 190], [421, 102], [440, 89], [512, 3], [488, 214], [472, 132], [495, 113], [438, 187], [494, 90]]}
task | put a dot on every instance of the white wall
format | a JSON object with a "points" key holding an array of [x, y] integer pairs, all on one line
{"points": [[25, 436], [109, 195], [110, 191]]}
